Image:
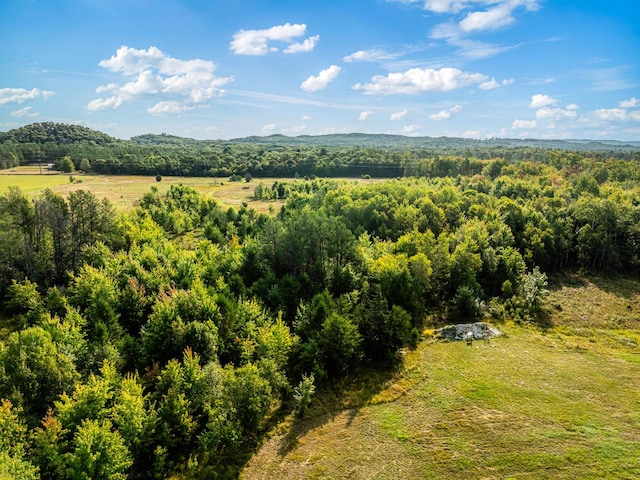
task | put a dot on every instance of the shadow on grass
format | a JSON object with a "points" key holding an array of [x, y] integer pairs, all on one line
{"points": [[348, 394], [624, 284]]}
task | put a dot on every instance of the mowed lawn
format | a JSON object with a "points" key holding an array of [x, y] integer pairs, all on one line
{"points": [[563, 403]]}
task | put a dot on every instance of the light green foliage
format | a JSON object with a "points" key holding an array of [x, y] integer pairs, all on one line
{"points": [[13, 442], [533, 290], [85, 165], [66, 165], [34, 371], [97, 452], [182, 319], [303, 393]]}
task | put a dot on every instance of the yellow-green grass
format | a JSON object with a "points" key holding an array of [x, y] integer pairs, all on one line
{"points": [[125, 191], [552, 404]]}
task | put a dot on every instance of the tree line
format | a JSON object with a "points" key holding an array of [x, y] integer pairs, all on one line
{"points": [[163, 340], [96, 152]]}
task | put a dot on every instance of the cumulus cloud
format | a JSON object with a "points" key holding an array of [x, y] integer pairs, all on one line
{"points": [[539, 101], [257, 42], [307, 46], [522, 124], [617, 114], [632, 102], [398, 115], [549, 108], [179, 85], [21, 95], [106, 103], [445, 114], [364, 115], [418, 80], [555, 113], [130, 61], [326, 76]]}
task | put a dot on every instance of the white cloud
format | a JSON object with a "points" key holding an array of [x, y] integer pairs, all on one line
{"points": [[478, 16], [146, 83], [106, 88], [554, 113], [374, 55], [364, 115], [326, 76], [609, 114], [632, 102], [295, 129], [520, 124], [495, 17], [445, 114], [411, 129], [417, 80], [21, 95], [547, 108], [398, 115], [106, 103], [635, 115], [256, 42], [493, 84], [24, 112], [181, 84], [439, 6], [489, 19], [539, 101], [471, 134], [306, 118], [307, 46], [130, 61], [169, 107], [269, 128]]}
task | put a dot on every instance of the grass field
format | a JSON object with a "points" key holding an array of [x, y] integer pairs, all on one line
{"points": [[125, 191], [563, 403]]}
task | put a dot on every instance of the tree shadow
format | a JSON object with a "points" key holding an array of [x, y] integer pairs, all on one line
{"points": [[623, 284], [348, 394]]}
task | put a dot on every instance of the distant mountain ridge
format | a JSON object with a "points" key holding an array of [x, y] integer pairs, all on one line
{"points": [[60, 133], [381, 140]]}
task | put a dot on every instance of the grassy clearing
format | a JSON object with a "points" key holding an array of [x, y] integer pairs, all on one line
{"points": [[125, 191], [536, 404]]}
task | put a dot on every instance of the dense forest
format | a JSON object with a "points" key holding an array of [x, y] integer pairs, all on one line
{"points": [[165, 339]]}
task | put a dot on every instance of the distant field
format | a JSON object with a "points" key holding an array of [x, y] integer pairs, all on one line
{"points": [[558, 404], [125, 191]]}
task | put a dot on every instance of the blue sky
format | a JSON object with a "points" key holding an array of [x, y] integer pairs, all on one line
{"points": [[231, 68]]}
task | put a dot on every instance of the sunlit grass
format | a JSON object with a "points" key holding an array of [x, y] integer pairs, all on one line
{"points": [[536, 404]]}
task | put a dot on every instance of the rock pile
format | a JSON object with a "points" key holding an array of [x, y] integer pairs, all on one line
{"points": [[459, 332]]}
